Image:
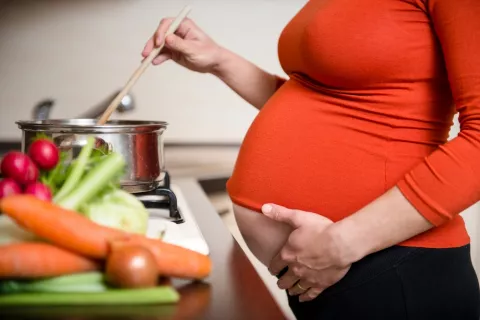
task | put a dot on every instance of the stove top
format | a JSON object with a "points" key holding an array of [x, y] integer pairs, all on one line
{"points": [[162, 197], [171, 217]]}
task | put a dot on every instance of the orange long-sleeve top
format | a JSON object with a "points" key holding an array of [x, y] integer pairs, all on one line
{"points": [[373, 87]]}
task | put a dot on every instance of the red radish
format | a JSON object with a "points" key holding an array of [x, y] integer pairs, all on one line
{"points": [[39, 190], [20, 167], [8, 186], [44, 153]]}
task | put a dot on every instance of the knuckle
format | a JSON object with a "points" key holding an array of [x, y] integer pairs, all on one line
{"points": [[285, 255], [165, 21], [313, 281], [163, 25], [295, 241], [294, 218], [280, 210], [297, 271]]}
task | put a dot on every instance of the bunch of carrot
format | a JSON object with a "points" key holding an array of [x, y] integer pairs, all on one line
{"points": [[75, 244]]}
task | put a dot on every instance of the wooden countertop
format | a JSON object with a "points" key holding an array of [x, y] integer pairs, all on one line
{"points": [[233, 291]]}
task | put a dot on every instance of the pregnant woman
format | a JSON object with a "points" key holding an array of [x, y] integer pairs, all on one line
{"points": [[345, 185]]}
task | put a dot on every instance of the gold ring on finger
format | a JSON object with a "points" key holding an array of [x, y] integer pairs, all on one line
{"points": [[300, 287]]}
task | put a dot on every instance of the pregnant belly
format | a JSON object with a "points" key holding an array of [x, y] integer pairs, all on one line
{"points": [[304, 153], [322, 154]]}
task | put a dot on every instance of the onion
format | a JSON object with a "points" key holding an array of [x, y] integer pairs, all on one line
{"points": [[131, 266], [8, 187], [20, 167], [44, 153], [39, 190]]}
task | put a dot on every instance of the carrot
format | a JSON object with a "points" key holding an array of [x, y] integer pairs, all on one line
{"points": [[172, 260], [37, 259], [65, 228], [77, 233]]}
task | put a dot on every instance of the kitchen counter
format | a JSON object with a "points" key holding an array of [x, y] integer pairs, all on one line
{"points": [[233, 291]]}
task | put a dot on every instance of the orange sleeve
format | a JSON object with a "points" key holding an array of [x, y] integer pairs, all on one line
{"points": [[448, 180]]}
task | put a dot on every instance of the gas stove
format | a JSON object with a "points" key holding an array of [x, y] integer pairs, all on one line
{"points": [[171, 217]]}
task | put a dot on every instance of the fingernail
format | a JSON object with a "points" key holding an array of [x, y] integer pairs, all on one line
{"points": [[267, 209]]}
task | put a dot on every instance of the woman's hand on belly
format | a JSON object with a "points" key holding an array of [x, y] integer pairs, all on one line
{"points": [[313, 259]]}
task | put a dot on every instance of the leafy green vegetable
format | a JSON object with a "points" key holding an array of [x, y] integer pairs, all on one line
{"points": [[73, 169], [157, 295], [101, 150], [56, 177], [41, 136], [78, 169], [80, 282], [90, 184], [94, 182], [118, 209]]}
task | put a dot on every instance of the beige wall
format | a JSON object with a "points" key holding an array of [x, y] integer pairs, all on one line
{"points": [[79, 52]]}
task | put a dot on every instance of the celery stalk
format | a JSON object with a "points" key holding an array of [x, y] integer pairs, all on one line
{"points": [[80, 282], [94, 181], [77, 171], [157, 295]]}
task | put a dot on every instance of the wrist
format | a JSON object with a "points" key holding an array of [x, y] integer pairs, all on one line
{"points": [[223, 61], [348, 246]]}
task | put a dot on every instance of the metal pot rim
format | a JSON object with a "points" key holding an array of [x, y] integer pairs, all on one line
{"points": [[90, 126]]}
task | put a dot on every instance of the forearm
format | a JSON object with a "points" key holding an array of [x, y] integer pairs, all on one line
{"points": [[250, 82], [385, 222]]}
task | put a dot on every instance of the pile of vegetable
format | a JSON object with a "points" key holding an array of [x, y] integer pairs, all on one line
{"points": [[81, 240], [88, 184]]}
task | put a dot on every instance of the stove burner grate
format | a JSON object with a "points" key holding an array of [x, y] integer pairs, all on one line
{"points": [[162, 198]]}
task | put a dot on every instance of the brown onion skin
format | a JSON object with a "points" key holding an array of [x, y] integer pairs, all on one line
{"points": [[131, 266]]}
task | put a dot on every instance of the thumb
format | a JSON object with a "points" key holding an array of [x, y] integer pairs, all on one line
{"points": [[281, 214], [175, 43]]}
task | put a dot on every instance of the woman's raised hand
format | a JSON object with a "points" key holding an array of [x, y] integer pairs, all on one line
{"points": [[189, 46]]}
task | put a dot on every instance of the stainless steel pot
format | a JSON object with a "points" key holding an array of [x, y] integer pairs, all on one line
{"points": [[140, 142]]}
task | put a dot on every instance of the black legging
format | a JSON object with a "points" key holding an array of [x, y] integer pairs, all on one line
{"points": [[401, 283]]}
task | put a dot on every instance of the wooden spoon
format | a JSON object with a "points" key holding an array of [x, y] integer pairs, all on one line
{"points": [[136, 75]]}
